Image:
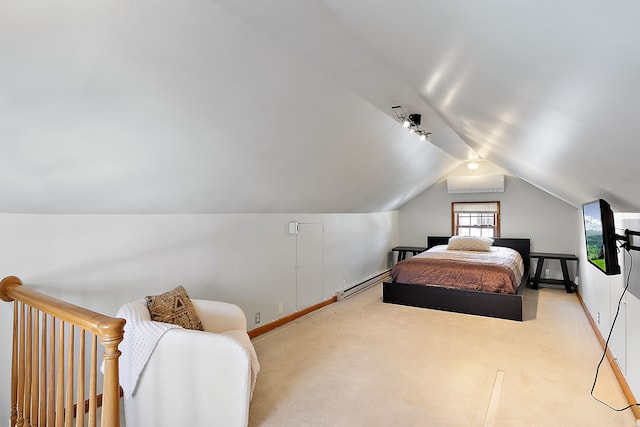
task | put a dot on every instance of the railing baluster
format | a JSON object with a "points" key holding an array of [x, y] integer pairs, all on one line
{"points": [[93, 405], [51, 373], [42, 396], [80, 382], [35, 365], [21, 358], [14, 367], [68, 419], [27, 369], [60, 377]]}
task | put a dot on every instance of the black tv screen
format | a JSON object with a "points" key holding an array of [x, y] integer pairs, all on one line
{"points": [[600, 236]]}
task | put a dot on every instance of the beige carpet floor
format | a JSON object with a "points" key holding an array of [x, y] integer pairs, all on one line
{"points": [[362, 362]]}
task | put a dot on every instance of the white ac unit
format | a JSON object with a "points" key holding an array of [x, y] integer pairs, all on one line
{"points": [[475, 184]]}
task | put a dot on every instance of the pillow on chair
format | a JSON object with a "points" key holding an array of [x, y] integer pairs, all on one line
{"points": [[174, 307]]}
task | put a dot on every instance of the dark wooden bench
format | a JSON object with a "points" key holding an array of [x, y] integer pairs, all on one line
{"points": [[403, 250], [569, 285]]}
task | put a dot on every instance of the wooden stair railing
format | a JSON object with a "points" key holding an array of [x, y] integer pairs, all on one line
{"points": [[48, 365]]}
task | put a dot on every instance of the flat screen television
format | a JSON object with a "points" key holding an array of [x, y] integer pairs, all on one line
{"points": [[600, 236]]}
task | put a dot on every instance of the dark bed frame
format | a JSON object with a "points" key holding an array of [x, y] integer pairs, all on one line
{"points": [[504, 306]]}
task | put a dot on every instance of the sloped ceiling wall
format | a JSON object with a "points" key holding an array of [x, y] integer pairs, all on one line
{"points": [[285, 106], [546, 90]]}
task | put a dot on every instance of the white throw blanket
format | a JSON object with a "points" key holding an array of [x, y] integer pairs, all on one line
{"points": [[141, 335], [242, 338]]}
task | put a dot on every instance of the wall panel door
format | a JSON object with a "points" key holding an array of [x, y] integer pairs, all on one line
{"points": [[309, 265]]}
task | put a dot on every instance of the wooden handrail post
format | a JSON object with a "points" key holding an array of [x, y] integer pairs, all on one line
{"points": [[12, 281], [5, 284], [111, 336]]}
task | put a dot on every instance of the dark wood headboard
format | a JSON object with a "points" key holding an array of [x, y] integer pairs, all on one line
{"points": [[523, 246]]}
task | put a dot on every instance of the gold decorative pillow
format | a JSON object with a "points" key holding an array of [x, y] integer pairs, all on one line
{"points": [[174, 307]]}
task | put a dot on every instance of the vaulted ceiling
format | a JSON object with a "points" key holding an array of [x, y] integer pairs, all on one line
{"points": [[139, 106]]}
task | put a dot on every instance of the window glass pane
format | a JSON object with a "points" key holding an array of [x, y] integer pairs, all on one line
{"points": [[487, 232], [488, 220]]}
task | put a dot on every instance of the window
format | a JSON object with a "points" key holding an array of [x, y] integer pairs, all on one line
{"points": [[481, 219]]}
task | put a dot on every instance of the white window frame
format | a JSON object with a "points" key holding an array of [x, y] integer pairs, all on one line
{"points": [[484, 219]]}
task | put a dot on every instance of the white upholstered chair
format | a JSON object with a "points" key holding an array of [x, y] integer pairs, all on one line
{"points": [[196, 378]]}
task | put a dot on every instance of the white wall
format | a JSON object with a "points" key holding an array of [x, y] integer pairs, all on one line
{"points": [[525, 211], [631, 306], [601, 294], [103, 261]]}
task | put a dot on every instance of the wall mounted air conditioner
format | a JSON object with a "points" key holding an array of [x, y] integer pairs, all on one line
{"points": [[475, 184]]}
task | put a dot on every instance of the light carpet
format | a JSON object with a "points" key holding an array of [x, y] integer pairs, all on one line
{"points": [[362, 362]]}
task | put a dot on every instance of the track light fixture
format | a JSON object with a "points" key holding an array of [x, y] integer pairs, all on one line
{"points": [[411, 122]]}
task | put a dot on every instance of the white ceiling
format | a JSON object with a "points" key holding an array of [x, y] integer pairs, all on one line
{"points": [[116, 106]]}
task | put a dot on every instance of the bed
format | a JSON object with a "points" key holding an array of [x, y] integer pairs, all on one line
{"points": [[498, 302]]}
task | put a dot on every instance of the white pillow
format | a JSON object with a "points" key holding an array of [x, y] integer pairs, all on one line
{"points": [[469, 243]]}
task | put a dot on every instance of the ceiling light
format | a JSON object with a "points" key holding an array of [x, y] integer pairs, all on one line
{"points": [[424, 135], [473, 166], [411, 122]]}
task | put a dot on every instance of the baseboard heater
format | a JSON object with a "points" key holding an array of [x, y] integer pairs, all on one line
{"points": [[355, 289]]}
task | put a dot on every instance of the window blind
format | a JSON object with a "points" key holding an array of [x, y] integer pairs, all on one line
{"points": [[490, 207]]}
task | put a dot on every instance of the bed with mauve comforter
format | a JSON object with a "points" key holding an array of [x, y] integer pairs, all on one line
{"points": [[498, 270], [488, 282]]}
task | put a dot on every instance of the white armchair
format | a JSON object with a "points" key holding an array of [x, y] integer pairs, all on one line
{"points": [[197, 378]]}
